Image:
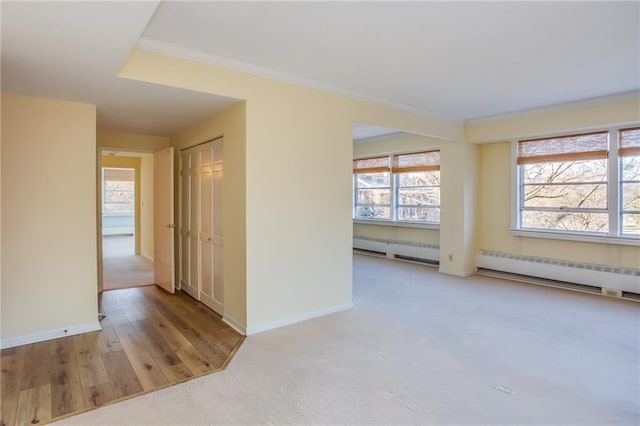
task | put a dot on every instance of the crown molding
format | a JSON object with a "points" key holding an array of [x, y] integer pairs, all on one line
{"points": [[634, 94], [175, 50]]}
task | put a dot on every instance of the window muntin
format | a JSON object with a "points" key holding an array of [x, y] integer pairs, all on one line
{"points": [[408, 192], [629, 153]]}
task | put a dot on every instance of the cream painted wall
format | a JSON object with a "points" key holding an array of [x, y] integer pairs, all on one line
{"points": [[298, 182], [495, 204], [131, 142], [146, 205], [561, 119], [49, 240], [231, 124], [459, 173], [495, 217], [129, 163]]}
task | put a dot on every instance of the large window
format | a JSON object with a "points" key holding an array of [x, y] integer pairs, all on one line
{"points": [[585, 183], [402, 187]]}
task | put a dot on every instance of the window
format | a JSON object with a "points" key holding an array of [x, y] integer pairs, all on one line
{"points": [[118, 191], [409, 191], [417, 179], [372, 177], [575, 183]]}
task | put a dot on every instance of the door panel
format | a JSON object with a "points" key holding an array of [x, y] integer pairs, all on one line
{"points": [[202, 208], [163, 221], [185, 212]]}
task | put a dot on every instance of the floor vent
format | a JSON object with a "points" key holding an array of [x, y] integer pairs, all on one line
{"points": [[370, 252], [631, 296], [541, 281], [430, 262]]}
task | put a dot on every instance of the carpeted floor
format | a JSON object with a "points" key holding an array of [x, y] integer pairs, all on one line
{"points": [[121, 267], [420, 347]]}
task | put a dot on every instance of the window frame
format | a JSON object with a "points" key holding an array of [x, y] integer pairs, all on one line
{"points": [[614, 234], [393, 193]]}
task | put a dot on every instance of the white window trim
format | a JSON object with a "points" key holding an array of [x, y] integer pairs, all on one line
{"points": [[614, 236]]}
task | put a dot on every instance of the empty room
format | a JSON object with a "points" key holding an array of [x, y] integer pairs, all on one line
{"points": [[330, 213]]}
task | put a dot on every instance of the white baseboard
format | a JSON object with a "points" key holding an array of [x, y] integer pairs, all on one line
{"points": [[234, 324], [297, 318], [462, 274], [48, 335], [146, 256]]}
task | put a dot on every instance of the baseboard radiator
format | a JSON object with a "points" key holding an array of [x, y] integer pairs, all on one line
{"points": [[428, 254], [585, 277]]}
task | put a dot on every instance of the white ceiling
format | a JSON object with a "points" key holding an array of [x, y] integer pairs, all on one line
{"points": [[74, 51], [453, 60]]}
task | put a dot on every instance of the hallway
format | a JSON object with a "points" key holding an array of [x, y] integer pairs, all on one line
{"points": [[122, 268]]}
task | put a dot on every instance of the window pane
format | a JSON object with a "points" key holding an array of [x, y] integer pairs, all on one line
{"points": [[419, 214], [118, 208], [419, 196], [586, 222], [631, 196], [419, 179], [373, 180], [631, 224], [568, 171], [119, 196], [630, 168], [557, 196], [118, 185], [373, 212], [374, 196]]}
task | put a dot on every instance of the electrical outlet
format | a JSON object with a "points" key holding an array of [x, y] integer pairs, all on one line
{"points": [[450, 258]]}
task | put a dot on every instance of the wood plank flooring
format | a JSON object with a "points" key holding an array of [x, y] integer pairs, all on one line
{"points": [[149, 340]]}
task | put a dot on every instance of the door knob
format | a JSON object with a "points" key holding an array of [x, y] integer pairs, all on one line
{"points": [[171, 225]]}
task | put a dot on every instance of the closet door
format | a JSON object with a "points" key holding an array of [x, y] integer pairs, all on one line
{"points": [[194, 226], [201, 250], [206, 229], [185, 212], [217, 240]]}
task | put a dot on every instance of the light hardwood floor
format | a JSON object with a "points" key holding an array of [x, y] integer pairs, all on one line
{"points": [[149, 340]]}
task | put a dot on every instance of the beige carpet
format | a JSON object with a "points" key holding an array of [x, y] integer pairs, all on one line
{"points": [[121, 267], [422, 348]]}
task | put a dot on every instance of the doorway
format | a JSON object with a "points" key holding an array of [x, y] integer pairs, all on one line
{"points": [[126, 209]]}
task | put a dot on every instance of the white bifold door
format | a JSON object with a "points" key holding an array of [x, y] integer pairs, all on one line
{"points": [[201, 174]]}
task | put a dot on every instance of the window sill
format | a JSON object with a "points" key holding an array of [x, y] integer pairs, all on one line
{"points": [[551, 235], [397, 224]]}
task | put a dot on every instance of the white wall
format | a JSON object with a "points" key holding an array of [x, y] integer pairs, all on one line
{"points": [[49, 277]]}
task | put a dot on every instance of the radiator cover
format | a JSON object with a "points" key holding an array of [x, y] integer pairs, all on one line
{"points": [[601, 276]]}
